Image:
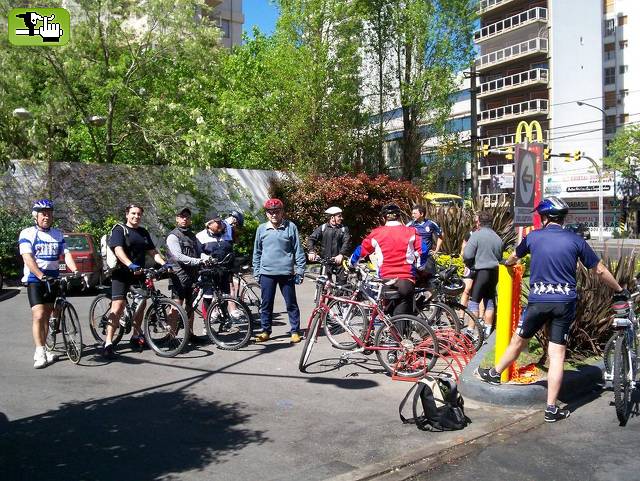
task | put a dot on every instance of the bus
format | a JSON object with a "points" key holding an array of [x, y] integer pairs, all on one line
{"points": [[439, 199]]}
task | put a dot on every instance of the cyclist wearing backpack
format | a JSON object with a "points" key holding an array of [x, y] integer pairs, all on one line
{"points": [[184, 254], [40, 247], [552, 295], [333, 239], [131, 243]]}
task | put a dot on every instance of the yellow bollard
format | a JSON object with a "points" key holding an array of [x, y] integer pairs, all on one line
{"points": [[503, 315]]}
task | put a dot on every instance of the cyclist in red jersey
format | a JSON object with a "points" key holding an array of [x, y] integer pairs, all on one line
{"points": [[398, 250]]}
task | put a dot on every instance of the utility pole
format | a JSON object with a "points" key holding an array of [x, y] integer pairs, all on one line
{"points": [[475, 191]]}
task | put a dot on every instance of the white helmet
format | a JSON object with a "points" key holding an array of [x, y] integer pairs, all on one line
{"points": [[333, 210]]}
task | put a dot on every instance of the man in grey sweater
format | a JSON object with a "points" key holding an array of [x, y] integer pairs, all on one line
{"points": [[278, 260], [483, 253]]}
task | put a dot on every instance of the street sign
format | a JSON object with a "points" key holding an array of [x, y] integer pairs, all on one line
{"points": [[528, 183]]}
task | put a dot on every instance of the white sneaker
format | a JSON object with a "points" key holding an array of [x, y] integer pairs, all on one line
{"points": [[39, 359], [51, 357]]}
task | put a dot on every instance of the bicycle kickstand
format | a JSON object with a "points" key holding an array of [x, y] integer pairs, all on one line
{"points": [[345, 356]]}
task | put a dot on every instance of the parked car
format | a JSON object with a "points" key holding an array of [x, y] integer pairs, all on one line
{"points": [[581, 229], [86, 253]]}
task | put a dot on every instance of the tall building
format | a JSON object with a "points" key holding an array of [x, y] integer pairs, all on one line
{"points": [[228, 14], [566, 64]]}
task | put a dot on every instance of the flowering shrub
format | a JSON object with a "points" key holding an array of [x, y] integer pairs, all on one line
{"points": [[361, 197]]}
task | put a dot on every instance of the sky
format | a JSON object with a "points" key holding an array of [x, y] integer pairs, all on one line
{"points": [[262, 13]]}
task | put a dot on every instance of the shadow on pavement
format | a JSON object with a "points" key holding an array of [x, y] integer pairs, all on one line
{"points": [[142, 437], [344, 383], [8, 294]]}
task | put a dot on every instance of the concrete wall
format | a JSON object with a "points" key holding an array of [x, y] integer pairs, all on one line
{"points": [[92, 192]]}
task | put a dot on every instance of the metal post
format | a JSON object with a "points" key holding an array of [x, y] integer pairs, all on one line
{"points": [[600, 207], [475, 191]]}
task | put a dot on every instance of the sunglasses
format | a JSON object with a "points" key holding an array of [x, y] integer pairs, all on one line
{"points": [[274, 211]]}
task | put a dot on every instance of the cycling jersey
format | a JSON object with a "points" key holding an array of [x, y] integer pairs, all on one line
{"points": [[554, 255], [46, 247], [426, 229], [396, 247]]}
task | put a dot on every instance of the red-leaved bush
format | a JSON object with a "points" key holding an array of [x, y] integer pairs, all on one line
{"points": [[361, 197]]}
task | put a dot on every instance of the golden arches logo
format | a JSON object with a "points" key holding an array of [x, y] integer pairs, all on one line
{"points": [[529, 130]]}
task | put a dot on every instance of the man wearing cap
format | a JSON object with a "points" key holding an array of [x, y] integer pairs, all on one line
{"points": [[333, 239], [216, 241], [278, 260], [184, 254]]}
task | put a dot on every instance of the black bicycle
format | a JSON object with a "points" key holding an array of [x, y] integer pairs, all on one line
{"points": [[64, 318]]}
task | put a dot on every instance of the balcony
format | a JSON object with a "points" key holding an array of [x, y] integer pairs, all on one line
{"points": [[491, 5], [520, 50], [505, 140], [514, 111], [486, 172], [513, 82], [537, 14]]}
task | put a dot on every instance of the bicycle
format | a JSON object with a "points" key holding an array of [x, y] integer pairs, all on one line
{"points": [[228, 320], [404, 344], [64, 319], [328, 268], [248, 292], [166, 334], [624, 372]]}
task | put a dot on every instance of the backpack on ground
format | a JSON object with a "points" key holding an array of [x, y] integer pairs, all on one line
{"points": [[109, 259], [442, 405]]}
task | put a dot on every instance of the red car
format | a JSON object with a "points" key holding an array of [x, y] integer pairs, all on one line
{"points": [[86, 253]]}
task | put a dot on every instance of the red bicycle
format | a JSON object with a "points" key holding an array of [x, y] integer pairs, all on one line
{"points": [[405, 345]]}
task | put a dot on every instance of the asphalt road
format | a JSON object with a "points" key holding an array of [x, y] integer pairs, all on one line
{"points": [[590, 445], [206, 414]]}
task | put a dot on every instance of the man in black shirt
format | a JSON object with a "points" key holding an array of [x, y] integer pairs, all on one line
{"points": [[130, 243], [333, 240]]}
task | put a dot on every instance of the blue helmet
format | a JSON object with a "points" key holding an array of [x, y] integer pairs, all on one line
{"points": [[552, 207], [239, 217], [42, 204]]}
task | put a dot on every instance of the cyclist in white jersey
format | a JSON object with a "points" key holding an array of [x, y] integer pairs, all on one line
{"points": [[41, 246]]}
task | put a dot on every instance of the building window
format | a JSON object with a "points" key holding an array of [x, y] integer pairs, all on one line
{"points": [[622, 20], [225, 26], [609, 26], [623, 119], [610, 124], [623, 44], [623, 93], [609, 51], [610, 99], [609, 75], [623, 69]]}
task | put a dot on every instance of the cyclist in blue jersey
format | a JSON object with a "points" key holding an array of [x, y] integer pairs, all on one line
{"points": [[552, 295], [41, 246], [429, 233]]}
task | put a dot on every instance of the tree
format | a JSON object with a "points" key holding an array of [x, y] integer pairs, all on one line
{"points": [[624, 157]]}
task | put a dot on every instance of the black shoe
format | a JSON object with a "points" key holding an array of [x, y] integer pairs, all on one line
{"points": [[108, 353], [137, 343], [554, 413], [488, 376]]}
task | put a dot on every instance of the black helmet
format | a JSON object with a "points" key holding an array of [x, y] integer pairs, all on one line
{"points": [[390, 209], [238, 216]]}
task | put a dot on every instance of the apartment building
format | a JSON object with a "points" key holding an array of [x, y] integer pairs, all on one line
{"points": [[566, 64], [229, 17]]}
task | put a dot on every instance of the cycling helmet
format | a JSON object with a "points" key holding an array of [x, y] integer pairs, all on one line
{"points": [[333, 211], [552, 207], [42, 204], [270, 204], [390, 209], [453, 287], [238, 216]]}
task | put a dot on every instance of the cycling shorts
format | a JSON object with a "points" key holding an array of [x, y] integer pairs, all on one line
{"points": [[559, 315], [38, 293], [484, 285], [121, 281]]}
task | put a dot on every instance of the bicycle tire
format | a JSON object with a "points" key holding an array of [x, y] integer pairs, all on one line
{"points": [[98, 317], [470, 325], [439, 316], [71, 333], [608, 354], [251, 296], [310, 340], [621, 382], [226, 331], [167, 336], [352, 315], [417, 335]]}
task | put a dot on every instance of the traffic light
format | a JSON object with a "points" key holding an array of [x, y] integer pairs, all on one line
{"points": [[509, 154], [547, 153], [485, 150], [577, 155]]}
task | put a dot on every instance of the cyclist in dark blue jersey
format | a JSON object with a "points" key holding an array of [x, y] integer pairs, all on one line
{"points": [[552, 295]]}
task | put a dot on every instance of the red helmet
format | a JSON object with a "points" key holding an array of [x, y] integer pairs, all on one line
{"points": [[270, 204]]}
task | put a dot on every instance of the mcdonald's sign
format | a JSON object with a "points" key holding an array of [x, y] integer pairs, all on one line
{"points": [[529, 129]]}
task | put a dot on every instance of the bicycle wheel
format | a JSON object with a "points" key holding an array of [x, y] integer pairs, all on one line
{"points": [[439, 316], [411, 346], [228, 323], [351, 315], [71, 333], [470, 325], [608, 355], [164, 327], [310, 340], [99, 319], [621, 379], [250, 295]]}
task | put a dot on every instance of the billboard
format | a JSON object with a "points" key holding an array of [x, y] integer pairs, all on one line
{"points": [[527, 184]]}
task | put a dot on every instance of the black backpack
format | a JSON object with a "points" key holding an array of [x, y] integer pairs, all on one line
{"points": [[442, 405]]}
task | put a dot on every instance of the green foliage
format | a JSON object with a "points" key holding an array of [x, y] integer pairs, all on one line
{"points": [[445, 260], [10, 227], [361, 198], [244, 244], [624, 156], [98, 228]]}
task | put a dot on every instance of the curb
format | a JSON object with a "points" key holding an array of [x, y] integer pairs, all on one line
{"points": [[575, 384]]}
